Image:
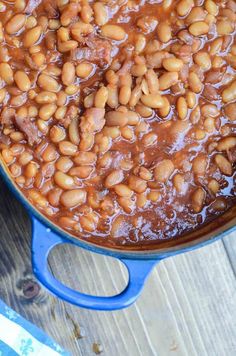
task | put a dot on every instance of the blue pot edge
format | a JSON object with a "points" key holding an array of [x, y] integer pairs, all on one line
{"points": [[68, 238]]}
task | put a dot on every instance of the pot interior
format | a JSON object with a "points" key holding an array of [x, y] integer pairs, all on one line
{"points": [[206, 233]]}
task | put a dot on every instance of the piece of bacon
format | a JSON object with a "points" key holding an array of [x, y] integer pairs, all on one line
{"points": [[51, 8], [184, 73], [97, 50], [210, 93], [231, 153], [184, 53], [71, 113], [214, 76], [93, 120], [7, 116], [29, 128], [4, 139]]}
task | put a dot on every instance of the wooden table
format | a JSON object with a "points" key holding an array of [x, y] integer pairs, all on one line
{"points": [[188, 306]]}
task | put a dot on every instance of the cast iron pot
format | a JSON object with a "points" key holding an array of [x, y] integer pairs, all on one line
{"points": [[46, 235]]}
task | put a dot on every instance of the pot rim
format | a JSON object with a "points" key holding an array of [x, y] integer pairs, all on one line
{"points": [[157, 253]]}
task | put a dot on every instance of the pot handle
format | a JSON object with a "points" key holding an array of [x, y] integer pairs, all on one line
{"points": [[43, 242]]}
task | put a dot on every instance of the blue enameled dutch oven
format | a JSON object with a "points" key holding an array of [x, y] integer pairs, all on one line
{"points": [[139, 263]]}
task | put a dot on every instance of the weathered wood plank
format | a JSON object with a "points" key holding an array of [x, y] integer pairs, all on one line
{"points": [[188, 306], [230, 246]]}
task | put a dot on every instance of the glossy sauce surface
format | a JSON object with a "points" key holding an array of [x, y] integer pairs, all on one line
{"points": [[118, 117]]}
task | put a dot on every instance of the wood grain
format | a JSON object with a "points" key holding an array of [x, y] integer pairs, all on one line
{"points": [[188, 306]]}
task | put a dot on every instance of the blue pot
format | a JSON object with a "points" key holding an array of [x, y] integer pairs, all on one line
{"points": [[46, 235]]}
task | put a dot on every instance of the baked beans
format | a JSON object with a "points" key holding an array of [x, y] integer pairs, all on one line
{"points": [[118, 119]]}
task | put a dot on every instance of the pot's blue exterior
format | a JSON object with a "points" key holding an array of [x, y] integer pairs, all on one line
{"points": [[46, 235]]}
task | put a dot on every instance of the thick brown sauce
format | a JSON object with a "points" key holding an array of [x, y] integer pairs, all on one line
{"points": [[172, 215]]}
